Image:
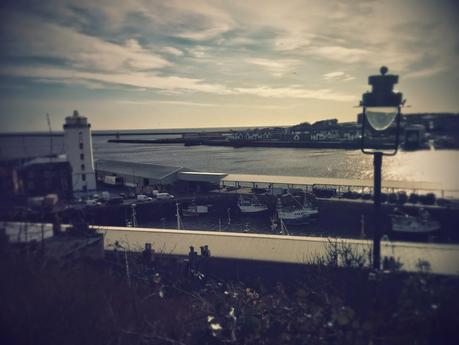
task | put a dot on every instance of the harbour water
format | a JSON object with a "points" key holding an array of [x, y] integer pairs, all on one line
{"points": [[425, 165], [433, 166]]}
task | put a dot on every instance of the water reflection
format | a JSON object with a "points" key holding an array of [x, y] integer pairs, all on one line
{"points": [[433, 166]]}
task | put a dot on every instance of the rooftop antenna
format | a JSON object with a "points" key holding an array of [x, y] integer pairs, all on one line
{"points": [[50, 135]]}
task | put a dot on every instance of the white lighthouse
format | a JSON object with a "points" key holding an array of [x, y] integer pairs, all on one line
{"points": [[78, 148]]}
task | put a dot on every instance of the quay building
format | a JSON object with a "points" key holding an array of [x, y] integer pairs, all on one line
{"points": [[146, 177]]}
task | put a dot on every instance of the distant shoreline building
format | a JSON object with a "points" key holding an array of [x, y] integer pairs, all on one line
{"points": [[78, 148], [320, 131]]}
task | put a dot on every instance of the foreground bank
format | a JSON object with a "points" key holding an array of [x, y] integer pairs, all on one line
{"points": [[145, 298]]}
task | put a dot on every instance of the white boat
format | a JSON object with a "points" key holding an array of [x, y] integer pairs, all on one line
{"points": [[421, 224], [250, 205], [194, 210], [293, 212]]}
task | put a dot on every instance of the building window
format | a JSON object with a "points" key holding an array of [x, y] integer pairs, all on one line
{"points": [[85, 188], [82, 156], [83, 177], [82, 167], [81, 146], [146, 182]]}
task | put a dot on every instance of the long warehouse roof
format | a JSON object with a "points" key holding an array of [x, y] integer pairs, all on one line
{"points": [[137, 169], [201, 176], [326, 181]]}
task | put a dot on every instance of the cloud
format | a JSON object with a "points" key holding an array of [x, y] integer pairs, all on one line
{"points": [[206, 105], [91, 85], [293, 41], [296, 92], [425, 72], [171, 83], [338, 53], [205, 34], [172, 51], [37, 39], [205, 19], [359, 33], [225, 47], [276, 67], [337, 76], [181, 103], [379, 32], [198, 51], [131, 79]]}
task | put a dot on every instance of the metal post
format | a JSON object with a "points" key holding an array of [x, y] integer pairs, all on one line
{"points": [[362, 226], [377, 163], [126, 261], [179, 220], [133, 216]]}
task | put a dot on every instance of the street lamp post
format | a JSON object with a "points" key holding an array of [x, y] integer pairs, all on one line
{"points": [[381, 108]]}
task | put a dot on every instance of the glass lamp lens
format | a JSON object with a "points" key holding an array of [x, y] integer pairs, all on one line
{"points": [[380, 118]]}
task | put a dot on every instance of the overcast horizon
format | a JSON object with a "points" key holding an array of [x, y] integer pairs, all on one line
{"points": [[197, 64]]}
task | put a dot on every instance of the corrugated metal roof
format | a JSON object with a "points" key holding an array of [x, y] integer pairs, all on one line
{"points": [[325, 181], [145, 170], [198, 176]]}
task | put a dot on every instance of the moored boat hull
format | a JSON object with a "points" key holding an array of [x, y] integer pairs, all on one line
{"points": [[195, 210], [253, 209], [411, 225], [251, 205], [304, 216]]}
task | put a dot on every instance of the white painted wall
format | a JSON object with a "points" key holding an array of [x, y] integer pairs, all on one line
{"points": [[443, 258]]}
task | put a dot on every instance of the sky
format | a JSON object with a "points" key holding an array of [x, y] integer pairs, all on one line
{"points": [[178, 64]]}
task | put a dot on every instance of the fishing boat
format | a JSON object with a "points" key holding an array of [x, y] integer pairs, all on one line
{"points": [[423, 223], [194, 210], [250, 205], [291, 211]]}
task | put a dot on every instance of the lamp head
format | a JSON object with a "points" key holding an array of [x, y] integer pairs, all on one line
{"points": [[381, 104], [380, 118]]}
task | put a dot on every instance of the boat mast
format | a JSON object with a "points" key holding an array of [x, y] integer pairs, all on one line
{"points": [[50, 135], [283, 228], [179, 219], [133, 216]]}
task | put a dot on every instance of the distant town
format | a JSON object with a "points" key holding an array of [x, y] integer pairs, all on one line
{"points": [[443, 126], [418, 131]]}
